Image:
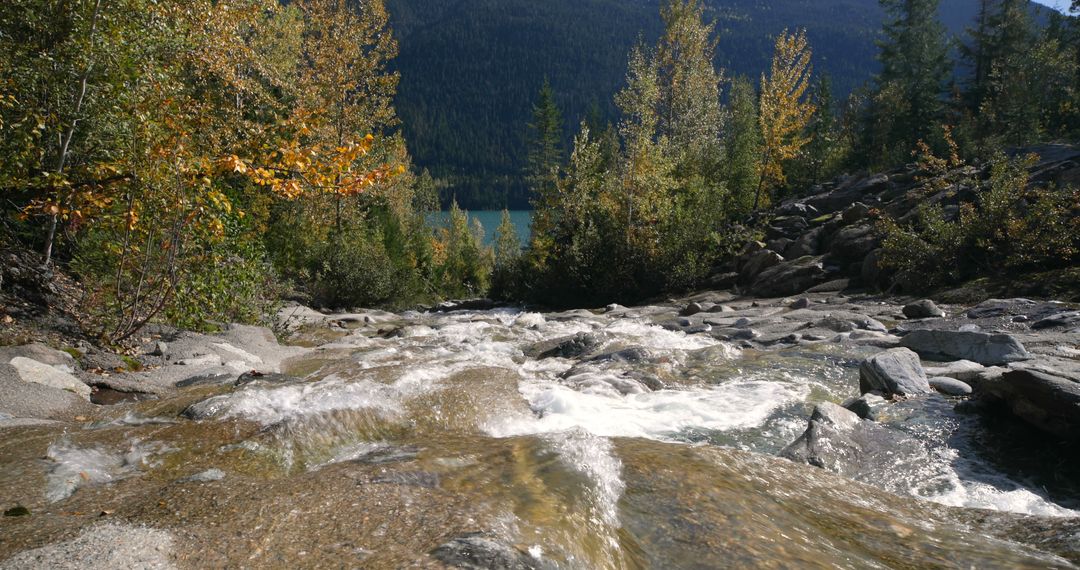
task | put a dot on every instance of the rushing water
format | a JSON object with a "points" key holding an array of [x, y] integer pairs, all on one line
{"points": [[410, 433]]}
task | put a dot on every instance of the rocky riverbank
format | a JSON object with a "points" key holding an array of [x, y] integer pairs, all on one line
{"points": [[475, 430]]}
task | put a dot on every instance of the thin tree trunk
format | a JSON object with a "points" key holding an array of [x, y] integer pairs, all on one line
{"points": [[61, 160]]}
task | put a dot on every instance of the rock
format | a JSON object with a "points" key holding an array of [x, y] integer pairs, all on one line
{"points": [[35, 351], [35, 372], [264, 378], [692, 309], [867, 406], [478, 552], [465, 305], [897, 371], [204, 477], [205, 380], [925, 309], [844, 321], [834, 286], [1064, 319], [854, 242], [800, 303], [201, 360], [789, 278], [950, 386], [806, 244], [996, 308], [779, 245], [855, 212], [871, 272], [838, 440], [970, 327], [963, 370], [1046, 401], [983, 348], [565, 347], [758, 263], [108, 545], [723, 280], [633, 355]]}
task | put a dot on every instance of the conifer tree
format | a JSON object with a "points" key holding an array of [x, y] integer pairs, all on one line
{"points": [[821, 151], [909, 101], [545, 143]]}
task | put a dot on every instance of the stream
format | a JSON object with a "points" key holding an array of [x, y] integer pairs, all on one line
{"points": [[446, 439]]}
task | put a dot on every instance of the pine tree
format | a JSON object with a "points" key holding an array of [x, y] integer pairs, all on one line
{"points": [[545, 143], [908, 104], [743, 149], [784, 111], [822, 149]]}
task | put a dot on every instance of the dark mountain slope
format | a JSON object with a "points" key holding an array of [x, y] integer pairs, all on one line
{"points": [[471, 69]]}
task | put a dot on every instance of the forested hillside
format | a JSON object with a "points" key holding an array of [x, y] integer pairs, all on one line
{"points": [[471, 69]]}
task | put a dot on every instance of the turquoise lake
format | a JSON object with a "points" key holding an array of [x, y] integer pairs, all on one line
{"points": [[490, 219]]}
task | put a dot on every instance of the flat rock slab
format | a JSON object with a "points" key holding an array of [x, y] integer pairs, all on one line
{"points": [[102, 546], [40, 373], [896, 371], [984, 348]]}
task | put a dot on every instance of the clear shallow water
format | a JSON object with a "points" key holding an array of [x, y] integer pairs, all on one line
{"points": [[490, 220], [445, 427]]}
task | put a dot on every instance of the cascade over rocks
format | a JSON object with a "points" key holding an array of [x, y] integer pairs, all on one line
{"points": [[838, 440]]}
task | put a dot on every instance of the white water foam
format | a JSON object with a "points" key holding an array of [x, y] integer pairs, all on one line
{"points": [[654, 415], [74, 467]]}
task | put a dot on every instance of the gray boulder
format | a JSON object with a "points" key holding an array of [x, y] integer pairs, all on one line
{"points": [[963, 370], [789, 278], [950, 386], [1046, 401], [984, 348], [925, 309], [806, 244], [1064, 319], [897, 371], [854, 242], [758, 263], [35, 372]]}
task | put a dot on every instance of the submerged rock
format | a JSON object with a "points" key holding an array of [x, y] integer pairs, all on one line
{"points": [[478, 552], [897, 371], [838, 440], [867, 405], [984, 348], [565, 347]]}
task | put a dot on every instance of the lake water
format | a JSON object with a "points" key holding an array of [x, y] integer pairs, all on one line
{"points": [[490, 219]]}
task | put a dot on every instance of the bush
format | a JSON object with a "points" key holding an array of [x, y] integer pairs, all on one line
{"points": [[1012, 228]]}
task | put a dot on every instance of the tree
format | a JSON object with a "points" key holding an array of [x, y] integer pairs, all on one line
{"points": [[784, 111], [545, 155], [820, 157], [915, 65], [743, 148], [689, 110]]}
